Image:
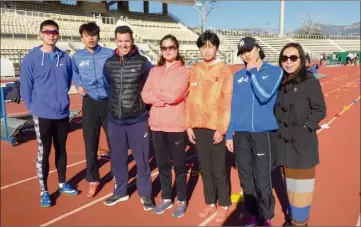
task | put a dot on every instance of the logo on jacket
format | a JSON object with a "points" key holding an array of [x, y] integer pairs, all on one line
{"points": [[264, 77], [295, 89], [84, 63], [240, 80]]}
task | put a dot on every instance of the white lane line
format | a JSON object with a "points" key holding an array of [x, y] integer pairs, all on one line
{"points": [[340, 113], [35, 177], [208, 220], [340, 87], [359, 220], [93, 202]]}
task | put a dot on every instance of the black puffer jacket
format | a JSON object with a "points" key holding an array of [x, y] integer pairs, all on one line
{"points": [[300, 106], [125, 78]]}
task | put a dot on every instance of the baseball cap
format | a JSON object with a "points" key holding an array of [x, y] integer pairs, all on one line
{"points": [[246, 44]]}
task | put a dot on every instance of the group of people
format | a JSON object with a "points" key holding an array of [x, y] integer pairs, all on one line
{"points": [[266, 114]]}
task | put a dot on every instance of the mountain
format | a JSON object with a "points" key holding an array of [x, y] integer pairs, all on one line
{"points": [[326, 29]]}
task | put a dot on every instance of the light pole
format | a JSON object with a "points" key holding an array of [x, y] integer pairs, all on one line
{"points": [[282, 18]]}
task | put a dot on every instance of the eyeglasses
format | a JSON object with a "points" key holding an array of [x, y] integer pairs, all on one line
{"points": [[50, 32], [293, 58], [163, 48]]}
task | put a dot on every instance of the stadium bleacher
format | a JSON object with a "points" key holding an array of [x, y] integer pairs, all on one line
{"points": [[20, 24]]}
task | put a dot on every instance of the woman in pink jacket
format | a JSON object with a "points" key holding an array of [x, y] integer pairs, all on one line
{"points": [[165, 90]]}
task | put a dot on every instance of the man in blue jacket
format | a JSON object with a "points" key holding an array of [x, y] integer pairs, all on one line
{"points": [[45, 80], [88, 66], [253, 124]]}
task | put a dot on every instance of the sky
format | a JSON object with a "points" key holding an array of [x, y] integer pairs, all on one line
{"points": [[263, 14]]}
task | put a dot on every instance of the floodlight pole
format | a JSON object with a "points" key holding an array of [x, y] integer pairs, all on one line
{"points": [[282, 18], [200, 8]]}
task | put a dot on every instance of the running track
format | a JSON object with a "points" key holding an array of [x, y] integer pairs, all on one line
{"points": [[336, 200]]}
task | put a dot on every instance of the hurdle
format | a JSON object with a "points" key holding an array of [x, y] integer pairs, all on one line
{"points": [[12, 125]]}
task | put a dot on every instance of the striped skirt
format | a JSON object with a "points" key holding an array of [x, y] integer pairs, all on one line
{"points": [[300, 186]]}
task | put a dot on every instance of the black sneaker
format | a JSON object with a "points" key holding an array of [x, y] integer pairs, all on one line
{"points": [[114, 199], [148, 203]]}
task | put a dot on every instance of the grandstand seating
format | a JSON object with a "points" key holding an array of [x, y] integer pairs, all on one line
{"points": [[20, 26]]}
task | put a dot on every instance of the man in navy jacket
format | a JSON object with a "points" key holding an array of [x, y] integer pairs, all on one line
{"points": [[45, 80], [88, 66]]}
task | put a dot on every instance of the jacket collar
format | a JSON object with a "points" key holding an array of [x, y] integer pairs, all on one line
{"points": [[134, 51]]}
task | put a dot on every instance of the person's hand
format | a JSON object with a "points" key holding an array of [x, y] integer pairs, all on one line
{"points": [[191, 136], [252, 62], [217, 138], [81, 91], [229, 145]]}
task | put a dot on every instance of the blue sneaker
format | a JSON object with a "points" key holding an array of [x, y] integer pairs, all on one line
{"points": [[164, 205], [180, 209], [45, 200], [68, 190]]}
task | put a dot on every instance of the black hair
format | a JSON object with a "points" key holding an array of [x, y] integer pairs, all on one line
{"points": [[175, 41], [302, 69], [49, 22], [122, 30], [261, 53], [90, 28], [208, 36]]}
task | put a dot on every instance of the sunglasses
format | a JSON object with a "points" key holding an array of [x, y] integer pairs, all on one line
{"points": [[293, 58], [163, 48], [50, 32]]}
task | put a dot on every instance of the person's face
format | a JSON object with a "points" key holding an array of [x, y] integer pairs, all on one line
{"points": [[169, 50], [124, 43], [49, 34], [290, 60], [90, 41], [208, 51], [251, 55]]}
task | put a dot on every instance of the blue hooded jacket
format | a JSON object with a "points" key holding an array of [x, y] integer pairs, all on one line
{"points": [[253, 99], [45, 83], [88, 71]]}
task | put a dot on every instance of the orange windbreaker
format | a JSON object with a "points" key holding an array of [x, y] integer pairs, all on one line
{"points": [[166, 89], [209, 101]]}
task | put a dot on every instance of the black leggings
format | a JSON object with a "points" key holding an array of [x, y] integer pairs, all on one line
{"points": [[50, 131]]}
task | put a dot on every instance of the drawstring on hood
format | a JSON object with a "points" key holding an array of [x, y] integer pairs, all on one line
{"points": [[42, 60], [43, 57], [57, 63]]}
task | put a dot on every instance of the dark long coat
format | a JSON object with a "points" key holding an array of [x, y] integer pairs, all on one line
{"points": [[300, 106]]}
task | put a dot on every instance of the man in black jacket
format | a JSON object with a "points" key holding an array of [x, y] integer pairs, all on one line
{"points": [[125, 74]]}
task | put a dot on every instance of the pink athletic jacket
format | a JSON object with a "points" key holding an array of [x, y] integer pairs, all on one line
{"points": [[166, 90]]}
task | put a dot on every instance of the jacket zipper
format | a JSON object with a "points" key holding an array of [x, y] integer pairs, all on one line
{"points": [[96, 79], [286, 131], [57, 89], [252, 112], [121, 88]]}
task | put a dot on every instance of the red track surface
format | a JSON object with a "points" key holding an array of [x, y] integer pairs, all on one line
{"points": [[336, 199]]}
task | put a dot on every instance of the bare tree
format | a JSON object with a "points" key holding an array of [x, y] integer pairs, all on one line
{"points": [[309, 26], [204, 7]]}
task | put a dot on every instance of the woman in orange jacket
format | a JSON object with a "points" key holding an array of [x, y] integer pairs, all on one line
{"points": [[208, 112], [165, 90]]}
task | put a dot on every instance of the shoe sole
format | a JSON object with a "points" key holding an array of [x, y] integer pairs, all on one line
{"points": [[146, 209], [179, 216], [170, 206], [119, 200], [47, 206]]}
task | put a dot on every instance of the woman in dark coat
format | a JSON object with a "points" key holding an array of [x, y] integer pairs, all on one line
{"points": [[300, 106]]}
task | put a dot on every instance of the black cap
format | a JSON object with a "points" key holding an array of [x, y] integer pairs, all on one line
{"points": [[246, 44]]}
